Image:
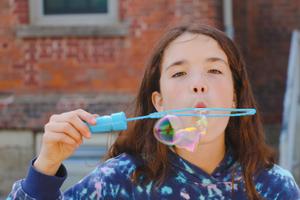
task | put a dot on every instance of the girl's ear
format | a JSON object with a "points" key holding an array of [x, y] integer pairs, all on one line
{"points": [[233, 104], [157, 101]]}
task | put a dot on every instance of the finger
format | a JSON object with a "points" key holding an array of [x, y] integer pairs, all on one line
{"points": [[76, 118], [96, 115], [66, 128], [73, 118], [60, 138], [78, 123], [86, 116]]}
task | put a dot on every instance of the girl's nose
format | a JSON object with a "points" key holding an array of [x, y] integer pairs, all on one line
{"points": [[199, 84], [202, 89]]}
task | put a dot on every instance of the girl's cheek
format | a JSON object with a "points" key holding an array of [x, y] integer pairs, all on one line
{"points": [[224, 92]]}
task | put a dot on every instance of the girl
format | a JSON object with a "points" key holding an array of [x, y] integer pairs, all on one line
{"points": [[192, 66]]}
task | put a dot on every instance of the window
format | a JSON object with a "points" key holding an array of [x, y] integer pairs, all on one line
{"points": [[73, 12], [81, 18], [52, 7]]}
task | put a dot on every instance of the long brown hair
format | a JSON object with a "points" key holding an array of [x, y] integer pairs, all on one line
{"points": [[244, 135]]}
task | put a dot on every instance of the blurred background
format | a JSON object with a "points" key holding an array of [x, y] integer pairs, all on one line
{"points": [[61, 55]]}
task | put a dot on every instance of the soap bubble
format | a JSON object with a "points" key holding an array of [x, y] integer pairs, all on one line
{"points": [[181, 131]]}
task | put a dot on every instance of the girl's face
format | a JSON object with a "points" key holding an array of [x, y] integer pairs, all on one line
{"points": [[195, 71]]}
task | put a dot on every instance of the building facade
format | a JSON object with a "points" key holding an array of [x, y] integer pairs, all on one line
{"points": [[58, 57]]}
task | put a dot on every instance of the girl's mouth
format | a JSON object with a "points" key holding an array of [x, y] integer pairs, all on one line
{"points": [[200, 105]]}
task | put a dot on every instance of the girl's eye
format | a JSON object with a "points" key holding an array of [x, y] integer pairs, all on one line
{"points": [[178, 74], [215, 71]]}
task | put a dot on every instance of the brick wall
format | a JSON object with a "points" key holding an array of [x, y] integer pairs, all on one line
{"points": [[40, 76], [100, 65], [83, 65], [263, 31], [115, 64], [70, 64]]}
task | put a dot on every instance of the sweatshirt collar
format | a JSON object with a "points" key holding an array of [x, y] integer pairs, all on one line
{"points": [[222, 171]]}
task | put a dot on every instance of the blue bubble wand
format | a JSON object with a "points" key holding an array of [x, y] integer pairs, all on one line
{"points": [[118, 121]]}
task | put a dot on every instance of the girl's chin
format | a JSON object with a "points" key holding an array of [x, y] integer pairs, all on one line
{"points": [[210, 138]]}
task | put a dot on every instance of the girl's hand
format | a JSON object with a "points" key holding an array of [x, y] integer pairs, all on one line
{"points": [[63, 135]]}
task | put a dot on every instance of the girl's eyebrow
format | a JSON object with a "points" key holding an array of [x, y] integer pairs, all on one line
{"points": [[210, 59], [216, 59], [179, 62]]}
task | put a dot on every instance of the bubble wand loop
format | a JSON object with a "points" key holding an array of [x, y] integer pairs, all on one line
{"points": [[241, 112]]}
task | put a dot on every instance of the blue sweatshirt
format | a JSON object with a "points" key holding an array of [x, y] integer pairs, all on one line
{"points": [[112, 180]]}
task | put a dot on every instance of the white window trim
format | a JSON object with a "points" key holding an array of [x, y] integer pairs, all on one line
{"points": [[39, 19]]}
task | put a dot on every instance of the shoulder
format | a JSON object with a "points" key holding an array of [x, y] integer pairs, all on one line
{"points": [[279, 181], [277, 174]]}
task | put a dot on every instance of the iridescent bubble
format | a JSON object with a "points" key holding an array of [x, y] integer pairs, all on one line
{"points": [[189, 138], [165, 129], [183, 132]]}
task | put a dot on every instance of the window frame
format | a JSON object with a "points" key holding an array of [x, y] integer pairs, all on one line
{"points": [[38, 18]]}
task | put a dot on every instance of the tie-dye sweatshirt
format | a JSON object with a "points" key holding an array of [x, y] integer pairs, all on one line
{"points": [[112, 180]]}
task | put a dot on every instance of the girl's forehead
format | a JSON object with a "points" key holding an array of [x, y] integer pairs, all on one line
{"points": [[189, 45], [187, 37]]}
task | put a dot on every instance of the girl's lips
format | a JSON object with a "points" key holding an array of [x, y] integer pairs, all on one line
{"points": [[200, 105]]}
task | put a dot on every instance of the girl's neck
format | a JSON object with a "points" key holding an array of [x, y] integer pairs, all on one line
{"points": [[207, 156]]}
